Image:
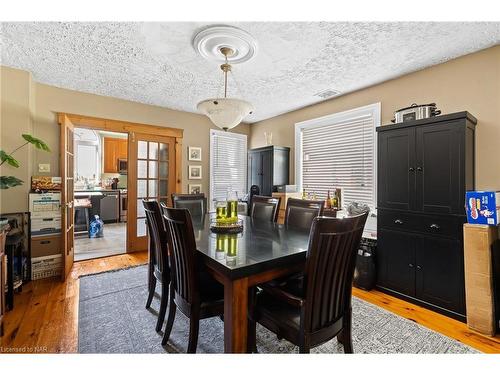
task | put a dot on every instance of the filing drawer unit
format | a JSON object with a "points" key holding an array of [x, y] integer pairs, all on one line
{"points": [[46, 224], [424, 169]]}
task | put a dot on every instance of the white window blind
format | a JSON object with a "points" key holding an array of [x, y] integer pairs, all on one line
{"points": [[228, 164], [338, 151]]}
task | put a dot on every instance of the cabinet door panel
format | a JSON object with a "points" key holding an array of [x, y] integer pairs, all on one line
{"points": [[254, 170], [267, 173], [440, 273], [110, 155], [395, 261], [439, 185], [396, 175]]}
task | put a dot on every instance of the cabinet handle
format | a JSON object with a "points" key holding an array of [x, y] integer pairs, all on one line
{"points": [[434, 227], [410, 265], [419, 268], [411, 169], [420, 169], [398, 222]]}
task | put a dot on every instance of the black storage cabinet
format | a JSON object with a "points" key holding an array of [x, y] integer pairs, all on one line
{"points": [[268, 167], [424, 169]]}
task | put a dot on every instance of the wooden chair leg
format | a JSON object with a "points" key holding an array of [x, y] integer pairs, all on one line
{"points": [[252, 324], [152, 287], [347, 333], [252, 336], [170, 319], [194, 325], [304, 349], [163, 305]]}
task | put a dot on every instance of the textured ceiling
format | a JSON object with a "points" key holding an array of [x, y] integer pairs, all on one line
{"points": [[155, 63]]}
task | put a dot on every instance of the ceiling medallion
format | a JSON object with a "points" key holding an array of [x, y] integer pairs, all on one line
{"points": [[209, 42]]}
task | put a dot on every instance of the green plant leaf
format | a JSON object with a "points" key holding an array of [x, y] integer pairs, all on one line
{"points": [[4, 157], [38, 143], [9, 181]]}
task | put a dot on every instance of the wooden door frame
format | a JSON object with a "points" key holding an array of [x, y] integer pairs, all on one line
{"points": [[131, 128]]}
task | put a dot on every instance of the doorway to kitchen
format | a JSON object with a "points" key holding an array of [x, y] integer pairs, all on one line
{"points": [[150, 169], [100, 193]]}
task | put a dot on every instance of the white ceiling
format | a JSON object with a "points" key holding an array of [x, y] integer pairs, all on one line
{"points": [[155, 63]]}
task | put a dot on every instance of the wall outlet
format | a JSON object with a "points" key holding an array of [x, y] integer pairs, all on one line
{"points": [[43, 168]]}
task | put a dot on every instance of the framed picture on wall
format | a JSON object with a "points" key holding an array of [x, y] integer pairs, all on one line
{"points": [[194, 153], [194, 188], [194, 172]]}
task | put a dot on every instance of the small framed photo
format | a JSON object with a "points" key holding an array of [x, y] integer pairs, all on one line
{"points": [[194, 172], [194, 153], [194, 188]]}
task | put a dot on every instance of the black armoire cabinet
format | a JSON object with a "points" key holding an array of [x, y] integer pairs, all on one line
{"points": [[424, 169], [268, 167]]}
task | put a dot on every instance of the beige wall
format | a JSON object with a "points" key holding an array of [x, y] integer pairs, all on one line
{"points": [[470, 83], [48, 100], [16, 107]]}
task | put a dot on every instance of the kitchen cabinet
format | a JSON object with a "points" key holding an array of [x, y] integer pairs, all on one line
{"points": [[268, 167], [424, 169], [114, 149]]}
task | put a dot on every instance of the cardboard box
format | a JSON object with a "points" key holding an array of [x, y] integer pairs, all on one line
{"points": [[483, 207], [479, 278], [45, 183]]}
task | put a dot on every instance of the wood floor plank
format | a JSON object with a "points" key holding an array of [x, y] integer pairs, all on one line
{"points": [[46, 311]]}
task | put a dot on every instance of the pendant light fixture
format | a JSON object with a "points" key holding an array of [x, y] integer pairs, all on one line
{"points": [[225, 112]]}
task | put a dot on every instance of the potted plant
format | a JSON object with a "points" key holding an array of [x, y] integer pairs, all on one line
{"points": [[7, 182]]}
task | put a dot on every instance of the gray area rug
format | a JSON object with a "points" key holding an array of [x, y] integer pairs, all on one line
{"points": [[112, 319]]}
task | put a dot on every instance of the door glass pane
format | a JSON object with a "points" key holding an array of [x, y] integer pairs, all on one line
{"points": [[153, 150], [140, 208], [142, 150], [142, 168], [153, 188], [153, 169], [141, 227], [163, 151], [163, 188], [163, 172], [142, 189]]}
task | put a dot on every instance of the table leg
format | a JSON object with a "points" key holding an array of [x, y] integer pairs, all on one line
{"points": [[235, 315]]}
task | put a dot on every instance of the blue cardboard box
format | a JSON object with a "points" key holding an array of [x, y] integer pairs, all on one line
{"points": [[483, 207]]}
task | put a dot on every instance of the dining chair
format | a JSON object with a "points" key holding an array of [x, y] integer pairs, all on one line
{"points": [[195, 293], [300, 213], [264, 208], [311, 310], [195, 203], [158, 265]]}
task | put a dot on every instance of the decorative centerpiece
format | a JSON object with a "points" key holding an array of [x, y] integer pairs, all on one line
{"points": [[226, 215]]}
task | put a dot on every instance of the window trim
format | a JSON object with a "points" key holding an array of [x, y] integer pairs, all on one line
{"points": [[245, 166], [373, 110]]}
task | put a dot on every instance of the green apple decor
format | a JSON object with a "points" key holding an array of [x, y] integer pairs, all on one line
{"points": [[7, 182]]}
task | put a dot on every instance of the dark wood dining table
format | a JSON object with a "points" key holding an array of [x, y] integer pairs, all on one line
{"points": [[262, 252]]}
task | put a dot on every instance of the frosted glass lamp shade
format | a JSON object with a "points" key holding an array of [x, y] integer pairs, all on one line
{"points": [[225, 113]]}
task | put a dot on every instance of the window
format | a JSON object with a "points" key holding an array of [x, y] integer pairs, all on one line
{"points": [[338, 151], [87, 159], [228, 164]]}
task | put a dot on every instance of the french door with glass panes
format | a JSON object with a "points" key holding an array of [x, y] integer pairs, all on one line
{"points": [[151, 176]]}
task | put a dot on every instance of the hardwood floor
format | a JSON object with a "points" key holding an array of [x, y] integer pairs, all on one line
{"points": [[45, 318], [45, 314]]}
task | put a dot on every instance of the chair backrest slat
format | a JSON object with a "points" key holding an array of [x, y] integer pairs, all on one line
{"points": [[329, 270], [195, 203], [158, 249], [264, 208], [182, 244], [301, 212]]}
